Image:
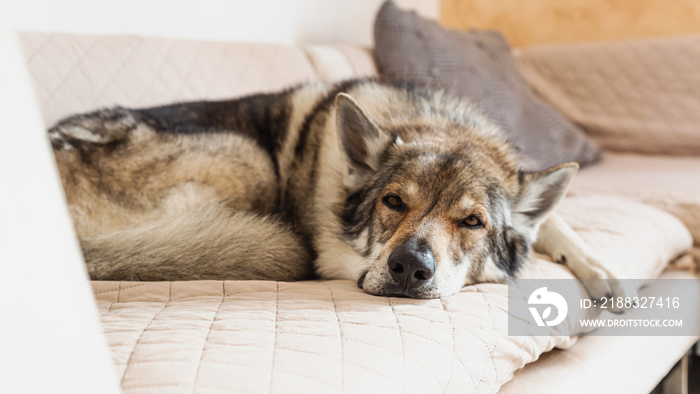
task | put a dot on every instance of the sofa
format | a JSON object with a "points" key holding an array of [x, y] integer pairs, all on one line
{"points": [[639, 210]]}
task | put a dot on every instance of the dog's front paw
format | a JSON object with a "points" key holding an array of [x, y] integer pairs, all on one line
{"points": [[603, 284]]}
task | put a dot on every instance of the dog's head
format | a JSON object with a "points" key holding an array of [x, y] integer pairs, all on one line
{"points": [[433, 210]]}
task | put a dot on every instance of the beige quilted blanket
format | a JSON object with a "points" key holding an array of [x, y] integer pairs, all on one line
{"points": [[309, 337], [328, 336]]}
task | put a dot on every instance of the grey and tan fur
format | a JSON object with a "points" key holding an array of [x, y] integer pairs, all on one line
{"points": [[408, 191]]}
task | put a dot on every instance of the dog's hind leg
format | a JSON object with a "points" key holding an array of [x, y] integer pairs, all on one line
{"points": [[559, 241], [208, 243], [99, 127]]}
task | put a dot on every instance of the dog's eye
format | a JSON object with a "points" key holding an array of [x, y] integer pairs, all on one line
{"points": [[472, 221], [394, 202]]}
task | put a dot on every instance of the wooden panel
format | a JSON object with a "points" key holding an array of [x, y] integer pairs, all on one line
{"points": [[530, 22]]}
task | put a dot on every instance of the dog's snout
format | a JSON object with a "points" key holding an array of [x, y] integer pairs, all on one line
{"points": [[412, 264]]}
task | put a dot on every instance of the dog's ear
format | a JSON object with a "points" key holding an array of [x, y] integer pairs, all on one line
{"points": [[361, 138], [541, 191]]}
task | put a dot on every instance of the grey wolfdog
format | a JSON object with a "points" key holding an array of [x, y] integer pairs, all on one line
{"points": [[408, 191]]}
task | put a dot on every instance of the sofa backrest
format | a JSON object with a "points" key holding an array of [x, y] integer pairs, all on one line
{"points": [[79, 73], [638, 96]]}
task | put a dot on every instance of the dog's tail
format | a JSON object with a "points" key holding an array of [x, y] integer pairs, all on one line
{"points": [[209, 243]]}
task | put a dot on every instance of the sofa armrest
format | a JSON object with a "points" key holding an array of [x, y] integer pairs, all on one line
{"points": [[51, 336]]}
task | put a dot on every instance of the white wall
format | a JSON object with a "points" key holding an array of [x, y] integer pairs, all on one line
{"points": [[277, 21]]}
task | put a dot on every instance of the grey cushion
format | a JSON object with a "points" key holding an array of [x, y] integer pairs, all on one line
{"points": [[478, 65]]}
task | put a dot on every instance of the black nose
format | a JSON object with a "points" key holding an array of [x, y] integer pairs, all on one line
{"points": [[411, 264]]}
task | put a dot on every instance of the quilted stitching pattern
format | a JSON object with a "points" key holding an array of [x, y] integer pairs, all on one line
{"points": [[79, 73], [328, 336], [675, 180]]}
